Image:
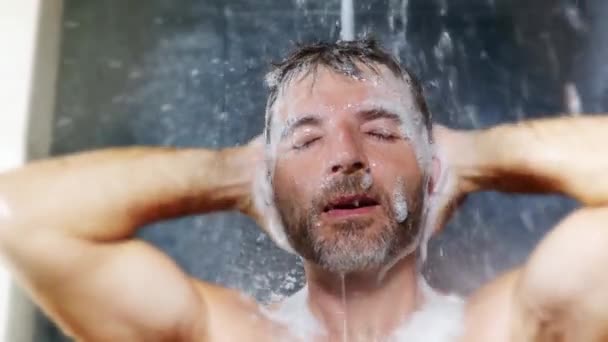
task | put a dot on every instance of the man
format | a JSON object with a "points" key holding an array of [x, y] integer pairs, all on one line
{"points": [[355, 179]]}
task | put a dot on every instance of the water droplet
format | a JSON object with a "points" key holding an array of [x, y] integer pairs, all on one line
{"points": [[114, 64], [71, 24], [572, 99]]}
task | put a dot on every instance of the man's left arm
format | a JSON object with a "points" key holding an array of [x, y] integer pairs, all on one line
{"points": [[559, 155], [561, 292]]}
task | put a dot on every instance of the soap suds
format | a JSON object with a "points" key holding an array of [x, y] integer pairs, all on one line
{"points": [[296, 316], [400, 206], [440, 319], [367, 181]]}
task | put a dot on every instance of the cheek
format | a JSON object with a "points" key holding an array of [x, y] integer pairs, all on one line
{"points": [[294, 180], [388, 167], [399, 157]]}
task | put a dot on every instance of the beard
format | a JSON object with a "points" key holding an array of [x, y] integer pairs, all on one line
{"points": [[355, 244]]}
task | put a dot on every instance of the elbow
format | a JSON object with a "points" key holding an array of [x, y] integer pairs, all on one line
{"points": [[15, 244], [14, 238]]}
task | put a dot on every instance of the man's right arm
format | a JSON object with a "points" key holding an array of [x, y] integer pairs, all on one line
{"points": [[66, 228]]}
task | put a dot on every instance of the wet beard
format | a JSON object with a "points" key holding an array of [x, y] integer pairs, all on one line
{"points": [[349, 249], [350, 245]]}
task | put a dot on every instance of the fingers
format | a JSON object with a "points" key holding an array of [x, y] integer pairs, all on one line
{"points": [[446, 194], [260, 195], [441, 208]]}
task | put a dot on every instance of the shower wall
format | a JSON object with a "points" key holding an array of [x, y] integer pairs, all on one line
{"points": [[189, 73]]}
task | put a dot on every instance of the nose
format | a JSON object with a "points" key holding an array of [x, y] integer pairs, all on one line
{"points": [[347, 155]]}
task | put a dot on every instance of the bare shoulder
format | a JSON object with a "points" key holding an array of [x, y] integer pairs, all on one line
{"points": [[489, 310], [234, 316]]}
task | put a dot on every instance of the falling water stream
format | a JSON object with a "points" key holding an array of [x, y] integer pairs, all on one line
{"points": [[344, 308], [347, 32]]}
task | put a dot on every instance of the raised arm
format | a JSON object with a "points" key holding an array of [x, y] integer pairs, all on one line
{"points": [[66, 228], [562, 283], [563, 155]]}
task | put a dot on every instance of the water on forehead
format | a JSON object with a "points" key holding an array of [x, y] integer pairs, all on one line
{"points": [[327, 91]]}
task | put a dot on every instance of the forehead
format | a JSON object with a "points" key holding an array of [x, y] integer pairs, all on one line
{"points": [[327, 90]]}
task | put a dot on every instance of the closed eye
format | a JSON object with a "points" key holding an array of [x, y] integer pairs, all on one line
{"points": [[383, 136], [307, 143]]}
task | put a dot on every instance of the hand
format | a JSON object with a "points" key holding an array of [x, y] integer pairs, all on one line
{"points": [[248, 160], [454, 154], [256, 201]]}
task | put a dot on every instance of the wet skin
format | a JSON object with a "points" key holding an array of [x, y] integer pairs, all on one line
{"points": [[333, 131], [74, 249]]}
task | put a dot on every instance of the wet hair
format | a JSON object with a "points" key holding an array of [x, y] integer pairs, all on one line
{"points": [[343, 57]]}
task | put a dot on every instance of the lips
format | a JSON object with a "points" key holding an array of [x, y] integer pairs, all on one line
{"points": [[350, 205]]}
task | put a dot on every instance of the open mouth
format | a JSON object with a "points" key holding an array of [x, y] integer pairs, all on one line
{"points": [[350, 205]]}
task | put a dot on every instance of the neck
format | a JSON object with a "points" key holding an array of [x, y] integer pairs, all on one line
{"points": [[363, 306]]}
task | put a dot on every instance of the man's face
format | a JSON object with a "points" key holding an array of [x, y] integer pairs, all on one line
{"points": [[347, 183]]}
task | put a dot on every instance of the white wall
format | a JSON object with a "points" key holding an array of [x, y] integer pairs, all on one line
{"points": [[29, 45]]}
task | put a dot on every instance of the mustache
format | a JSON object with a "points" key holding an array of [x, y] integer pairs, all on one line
{"points": [[344, 186]]}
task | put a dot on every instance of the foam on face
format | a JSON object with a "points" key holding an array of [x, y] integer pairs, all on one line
{"points": [[387, 92], [367, 181], [420, 242], [395, 96], [401, 102], [400, 206], [263, 192]]}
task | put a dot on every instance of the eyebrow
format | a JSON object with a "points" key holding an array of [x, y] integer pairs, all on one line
{"points": [[377, 113], [304, 120]]}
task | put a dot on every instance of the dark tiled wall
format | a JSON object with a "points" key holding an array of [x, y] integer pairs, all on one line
{"points": [[189, 73]]}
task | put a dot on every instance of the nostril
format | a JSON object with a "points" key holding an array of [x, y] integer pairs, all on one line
{"points": [[357, 165]]}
